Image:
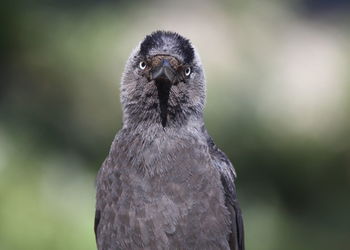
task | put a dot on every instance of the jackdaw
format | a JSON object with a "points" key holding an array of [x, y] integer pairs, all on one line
{"points": [[165, 184]]}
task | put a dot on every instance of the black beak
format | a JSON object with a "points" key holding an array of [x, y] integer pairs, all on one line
{"points": [[164, 72]]}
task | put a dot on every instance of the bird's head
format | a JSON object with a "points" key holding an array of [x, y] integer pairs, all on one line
{"points": [[163, 82]]}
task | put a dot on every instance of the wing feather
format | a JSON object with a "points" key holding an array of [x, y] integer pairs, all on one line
{"points": [[228, 175]]}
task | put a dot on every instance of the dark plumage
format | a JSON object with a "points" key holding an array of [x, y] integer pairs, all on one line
{"points": [[165, 184], [156, 40]]}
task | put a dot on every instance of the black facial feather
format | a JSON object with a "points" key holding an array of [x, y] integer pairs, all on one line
{"points": [[163, 95], [157, 40]]}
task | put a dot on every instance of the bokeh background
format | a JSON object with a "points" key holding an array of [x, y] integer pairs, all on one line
{"points": [[278, 103]]}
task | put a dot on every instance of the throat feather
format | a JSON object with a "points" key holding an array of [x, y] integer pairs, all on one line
{"points": [[163, 88]]}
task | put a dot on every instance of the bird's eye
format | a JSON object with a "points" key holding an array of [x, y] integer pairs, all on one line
{"points": [[188, 71], [142, 65]]}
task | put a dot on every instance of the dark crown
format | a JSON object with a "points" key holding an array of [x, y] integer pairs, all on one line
{"points": [[157, 40]]}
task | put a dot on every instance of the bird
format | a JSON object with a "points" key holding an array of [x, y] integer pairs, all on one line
{"points": [[165, 184]]}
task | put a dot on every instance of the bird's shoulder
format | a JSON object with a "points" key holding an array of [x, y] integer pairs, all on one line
{"points": [[227, 176], [121, 138], [219, 158]]}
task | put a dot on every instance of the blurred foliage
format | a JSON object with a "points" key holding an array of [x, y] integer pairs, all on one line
{"points": [[278, 102]]}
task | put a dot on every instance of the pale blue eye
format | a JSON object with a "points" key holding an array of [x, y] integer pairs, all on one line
{"points": [[142, 65], [188, 71]]}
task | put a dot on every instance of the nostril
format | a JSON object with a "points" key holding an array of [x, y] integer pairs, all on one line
{"points": [[166, 63]]}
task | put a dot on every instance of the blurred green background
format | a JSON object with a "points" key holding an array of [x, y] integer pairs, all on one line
{"points": [[278, 104]]}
